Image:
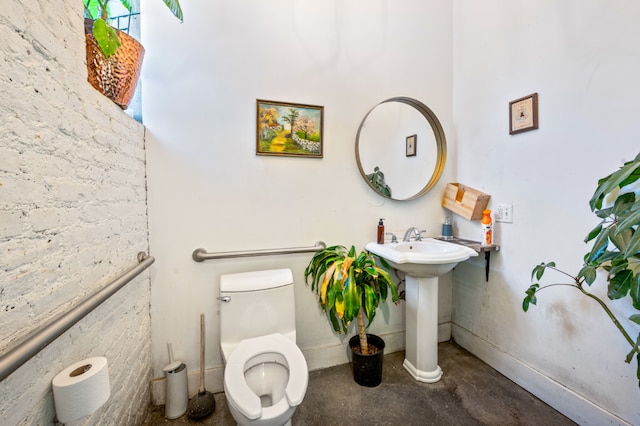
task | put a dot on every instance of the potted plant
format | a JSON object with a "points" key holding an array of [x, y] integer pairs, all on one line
{"points": [[349, 286], [114, 58], [616, 249]]}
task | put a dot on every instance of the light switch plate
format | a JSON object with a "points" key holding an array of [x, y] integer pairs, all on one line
{"points": [[504, 213]]}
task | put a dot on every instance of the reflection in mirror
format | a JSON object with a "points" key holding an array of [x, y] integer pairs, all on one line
{"points": [[401, 148]]}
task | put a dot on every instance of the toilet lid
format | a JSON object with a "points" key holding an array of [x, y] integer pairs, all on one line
{"points": [[236, 386]]}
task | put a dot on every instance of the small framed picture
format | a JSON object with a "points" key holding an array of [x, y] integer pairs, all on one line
{"points": [[523, 114], [411, 145], [288, 129]]}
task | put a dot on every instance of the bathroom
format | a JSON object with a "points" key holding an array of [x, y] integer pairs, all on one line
{"points": [[84, 188]]}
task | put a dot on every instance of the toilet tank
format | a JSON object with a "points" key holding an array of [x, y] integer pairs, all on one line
{"points": [[260, 303]]}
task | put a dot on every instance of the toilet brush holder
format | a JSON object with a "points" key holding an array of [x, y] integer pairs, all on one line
{"points": [[177, 392]]}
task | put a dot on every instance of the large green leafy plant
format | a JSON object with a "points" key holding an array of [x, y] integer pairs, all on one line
{"points": [[105, 35], [616, 249], [349, 286]]}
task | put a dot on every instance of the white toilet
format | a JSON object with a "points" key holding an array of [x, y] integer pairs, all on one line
{"points": [[266, 375]]}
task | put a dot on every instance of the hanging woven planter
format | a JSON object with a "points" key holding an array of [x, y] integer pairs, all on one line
{"points": [[115, 77]]}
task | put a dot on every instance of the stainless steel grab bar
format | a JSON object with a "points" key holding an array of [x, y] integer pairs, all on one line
{"points": [[11, 360], [201, 254]]}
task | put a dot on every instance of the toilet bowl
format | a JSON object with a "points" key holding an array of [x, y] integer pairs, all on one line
{"points": [[265, 379]]}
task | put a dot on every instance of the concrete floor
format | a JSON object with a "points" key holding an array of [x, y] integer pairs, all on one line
{"points": [[469, 393]]}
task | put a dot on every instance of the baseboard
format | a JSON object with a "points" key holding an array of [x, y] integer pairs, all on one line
{"points": [[567, 402]]}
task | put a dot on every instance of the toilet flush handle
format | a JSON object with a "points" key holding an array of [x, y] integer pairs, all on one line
{"points": [[225, 299]]}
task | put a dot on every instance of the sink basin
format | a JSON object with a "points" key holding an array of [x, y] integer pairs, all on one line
{"points": [[423, 262], [422, 259]]}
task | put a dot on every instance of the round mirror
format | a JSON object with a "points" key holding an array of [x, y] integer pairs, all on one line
{"points": [[401, 149]]}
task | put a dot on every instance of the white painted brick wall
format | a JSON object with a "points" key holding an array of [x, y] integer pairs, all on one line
{"points": [[72, 215]]}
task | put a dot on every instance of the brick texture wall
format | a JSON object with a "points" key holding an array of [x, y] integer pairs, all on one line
{"points": [[72, 216]]}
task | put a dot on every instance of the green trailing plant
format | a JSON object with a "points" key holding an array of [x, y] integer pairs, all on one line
{"points": [[349, 286], [616, 249], [105, 35]]}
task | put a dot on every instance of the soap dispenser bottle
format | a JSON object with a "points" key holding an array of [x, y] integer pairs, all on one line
{"points": [[447, 229], [381, 231]]}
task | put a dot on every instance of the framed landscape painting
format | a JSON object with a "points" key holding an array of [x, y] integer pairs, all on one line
{"points": [[289, 129]]}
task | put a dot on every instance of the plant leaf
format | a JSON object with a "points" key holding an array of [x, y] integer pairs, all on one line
{"points": [[635, 318], [331, 298], [588, 272], [620, 284], [530, 297], [623, 203], [351, 297], [630, 218], [634, 293], [618, 264], [624, 176], [335, 323], [538, 270], [369, 303], [174, 7], [106, 37], [604, 213], [594, 233], [340, 306], [619, 238], [91, 9], [383, 262], [633, 247], [127, 5], [328, 277], [599, 247]]}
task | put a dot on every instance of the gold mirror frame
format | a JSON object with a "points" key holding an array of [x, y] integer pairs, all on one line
{"points": [[441, 145]]}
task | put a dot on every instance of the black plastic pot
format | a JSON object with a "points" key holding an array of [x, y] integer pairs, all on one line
{"points": [[367, 369]]}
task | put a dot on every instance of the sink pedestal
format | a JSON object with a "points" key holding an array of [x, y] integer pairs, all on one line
{"points": [[422, 262], [421, 310]]}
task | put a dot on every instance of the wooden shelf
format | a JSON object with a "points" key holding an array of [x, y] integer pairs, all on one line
{"points": [[475, 245]]}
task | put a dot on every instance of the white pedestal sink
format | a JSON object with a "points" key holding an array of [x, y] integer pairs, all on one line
{"points": [[422, 262]]}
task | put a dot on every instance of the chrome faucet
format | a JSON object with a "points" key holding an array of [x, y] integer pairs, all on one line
{"points": [[413, 230]]}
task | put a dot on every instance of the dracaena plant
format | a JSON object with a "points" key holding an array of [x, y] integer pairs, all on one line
{"points": [[105, 35], [616, 249], [349, 285]]}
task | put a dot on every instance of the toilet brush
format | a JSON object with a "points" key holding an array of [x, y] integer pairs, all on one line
{"points": [[177, 390], [203, 403]]}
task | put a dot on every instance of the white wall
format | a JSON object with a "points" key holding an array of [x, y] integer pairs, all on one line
{"points": [[583, 58], [206, 186], [72, 216]]}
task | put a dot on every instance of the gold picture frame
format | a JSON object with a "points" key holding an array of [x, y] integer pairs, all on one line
{"points": [[289, 129], [523, 114]]}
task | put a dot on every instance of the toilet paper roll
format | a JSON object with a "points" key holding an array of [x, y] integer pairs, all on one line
{"points": [[81, 389]]}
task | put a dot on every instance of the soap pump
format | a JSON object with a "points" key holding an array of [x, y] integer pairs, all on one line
{"points": [[381, 231]]}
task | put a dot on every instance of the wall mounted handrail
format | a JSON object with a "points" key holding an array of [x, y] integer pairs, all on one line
{"points": [[23, 351], [201, 254]]}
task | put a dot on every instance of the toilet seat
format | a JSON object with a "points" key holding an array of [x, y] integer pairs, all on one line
{"points": [[236, 387]]}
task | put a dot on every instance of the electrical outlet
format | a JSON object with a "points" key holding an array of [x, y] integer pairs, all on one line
{"points": [[504, 213]]}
